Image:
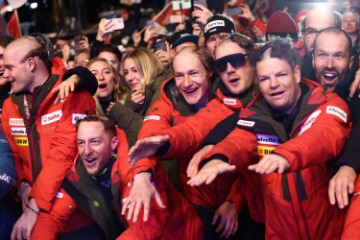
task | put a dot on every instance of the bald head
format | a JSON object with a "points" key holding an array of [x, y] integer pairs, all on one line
{"points": [[26, 64], [22, 46], [317, 20]]}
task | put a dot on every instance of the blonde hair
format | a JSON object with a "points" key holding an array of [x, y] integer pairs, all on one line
{"points": [[119, 90], [146, 63]]}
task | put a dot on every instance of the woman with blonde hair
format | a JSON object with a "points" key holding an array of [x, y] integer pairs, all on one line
{"points": [[144, 75], [110, 92]]}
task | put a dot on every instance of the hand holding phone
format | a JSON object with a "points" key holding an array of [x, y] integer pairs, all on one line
{"points": [[118, 24]]}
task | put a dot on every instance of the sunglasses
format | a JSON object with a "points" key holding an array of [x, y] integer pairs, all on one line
{"points": [[235, 60]]}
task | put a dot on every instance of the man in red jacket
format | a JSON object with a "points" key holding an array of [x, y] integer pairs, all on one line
{"points": [[98, 184], [41, 134], [289, 135]]}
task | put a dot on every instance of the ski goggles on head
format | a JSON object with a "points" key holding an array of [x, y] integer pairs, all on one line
{"points": [[235, 60]]}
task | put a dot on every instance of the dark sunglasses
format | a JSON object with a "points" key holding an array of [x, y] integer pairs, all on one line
{"points": [[236, 60]]}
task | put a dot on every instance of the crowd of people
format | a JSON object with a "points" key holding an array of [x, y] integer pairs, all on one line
{"points": [[221, 127]]}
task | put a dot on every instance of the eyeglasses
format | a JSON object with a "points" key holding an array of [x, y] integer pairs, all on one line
{"points": [[310, 32], [235, 60]]}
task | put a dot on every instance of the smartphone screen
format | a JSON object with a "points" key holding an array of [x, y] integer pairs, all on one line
{"points": [[149, 23], [233, 11], [118, 24], [160, 45]]}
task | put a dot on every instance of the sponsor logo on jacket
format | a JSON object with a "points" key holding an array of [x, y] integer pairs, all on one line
{"points": [[263, 150], [77, 116], [21, 141], [16, 122], [246, 123], [18, 131], [337, 112], [152, 117], [309, 121], [51, 117], [268, 139], [229, 101]]}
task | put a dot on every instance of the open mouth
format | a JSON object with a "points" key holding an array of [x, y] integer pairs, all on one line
{"points": [[102, 86], [2, 72], [276, 93], [190, 91], [234, 80], [329, 76], [90, 161]]}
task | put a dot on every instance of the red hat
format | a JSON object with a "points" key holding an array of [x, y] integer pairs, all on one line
{"points": [[281, 22]]}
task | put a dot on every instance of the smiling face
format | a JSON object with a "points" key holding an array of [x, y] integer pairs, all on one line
{"points": [[331, 59], [96, 146], [278, 83], [19, 71], [236, 79], [132, 75], [191, 78], [105, 78], [3, 80]]}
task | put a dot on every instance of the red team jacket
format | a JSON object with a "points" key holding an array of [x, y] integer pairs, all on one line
{"points": [[296, 203], [44, 145], [163, 115], [177, 221]]}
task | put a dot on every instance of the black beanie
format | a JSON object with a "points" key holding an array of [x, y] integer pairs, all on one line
{"points": [[218, 24]]}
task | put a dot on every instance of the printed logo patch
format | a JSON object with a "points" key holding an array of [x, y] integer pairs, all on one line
{"points": [[268, 139], [77, 116], [337, 112], [152, 117], [51, 117], [214, 24], [310, 120], [18, 131], [263, 151], [246, 123], [16, 122], [59, 195], [21, 141], [230, 101]]}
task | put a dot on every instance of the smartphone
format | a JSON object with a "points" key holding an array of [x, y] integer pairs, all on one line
{"points": [[160, 45], [149, 23], [118, 24], [233, 11]]}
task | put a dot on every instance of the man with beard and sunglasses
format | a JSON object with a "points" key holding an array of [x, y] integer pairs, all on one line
{"points": [[235, 90]]}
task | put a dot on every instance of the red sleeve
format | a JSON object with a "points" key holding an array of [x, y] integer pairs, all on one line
{"points": [[7, 132], [63, 150], [154, 226], [239, 147], [186, 138], [158, 118], [323, 140], [352, 222]]}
